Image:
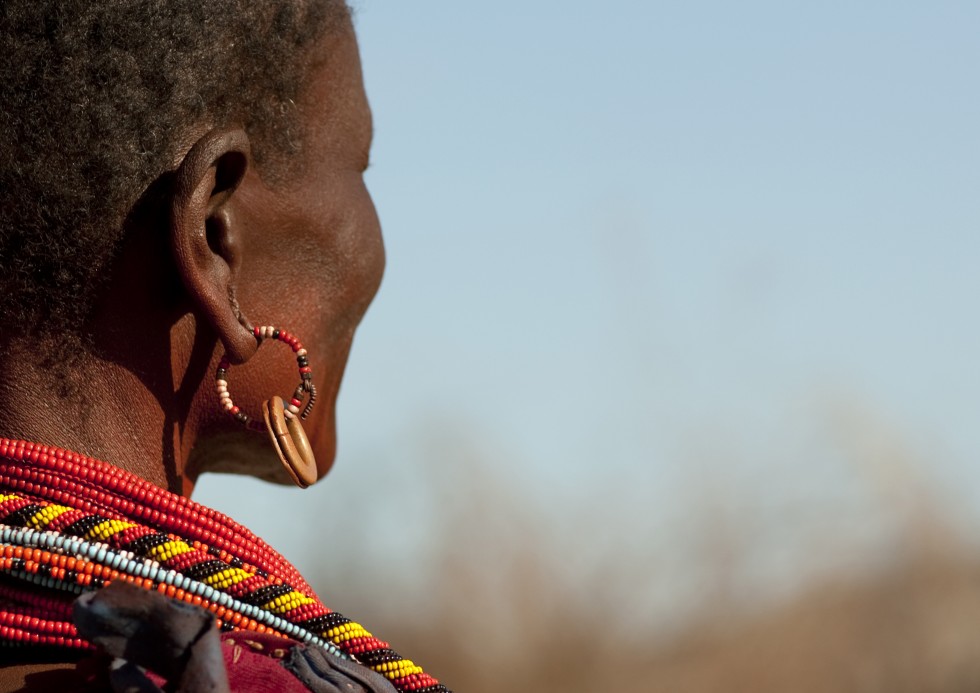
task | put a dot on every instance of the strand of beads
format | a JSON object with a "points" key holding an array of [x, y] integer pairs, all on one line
{"points": [[95, 564], [153, 546], [57, 561], [19, 478], [88, 548], [294, 406], [42, 605], [95, 486]]}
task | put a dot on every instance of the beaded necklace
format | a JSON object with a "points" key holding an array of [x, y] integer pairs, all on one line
{"points": [[70, 523]]}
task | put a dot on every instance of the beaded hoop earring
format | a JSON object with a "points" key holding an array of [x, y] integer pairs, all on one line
{"points": [[282, 421]]}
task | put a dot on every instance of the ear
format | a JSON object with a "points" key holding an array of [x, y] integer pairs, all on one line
{"points": [[205, 238]]}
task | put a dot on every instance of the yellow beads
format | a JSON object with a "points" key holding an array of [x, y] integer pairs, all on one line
{"points": [[41, 519], [397, 669], [104, 530], [115, 541], [288, 602], [347, 631], [166, 551], [227, 577]]}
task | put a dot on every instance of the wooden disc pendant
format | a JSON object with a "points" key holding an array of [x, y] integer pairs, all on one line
{"points": [[290, 441]]}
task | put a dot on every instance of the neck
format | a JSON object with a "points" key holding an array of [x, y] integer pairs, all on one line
{"points": [[93, 406]]}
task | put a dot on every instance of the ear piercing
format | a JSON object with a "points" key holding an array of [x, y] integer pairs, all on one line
{"points": [[283, 421]]}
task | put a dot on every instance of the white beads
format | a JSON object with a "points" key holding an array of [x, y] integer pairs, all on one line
{"points": [[131, 564], [305, 387], [221, 387]]}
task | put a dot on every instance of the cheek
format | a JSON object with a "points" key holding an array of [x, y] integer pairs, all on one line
{"points": [[318, 267], [343, 269], [362, 250], [355, 261], [314, 276]]}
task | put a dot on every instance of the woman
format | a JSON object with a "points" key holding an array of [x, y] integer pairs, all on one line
{"points": [[181, 184]]}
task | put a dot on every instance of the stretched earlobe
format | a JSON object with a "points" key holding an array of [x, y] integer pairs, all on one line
{"points": [[204, 237]]}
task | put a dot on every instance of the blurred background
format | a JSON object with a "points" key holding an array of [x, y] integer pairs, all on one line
{"points": [[672, 382]]}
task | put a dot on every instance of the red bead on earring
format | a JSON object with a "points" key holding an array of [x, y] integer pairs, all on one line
{"points": [[281, 419]]}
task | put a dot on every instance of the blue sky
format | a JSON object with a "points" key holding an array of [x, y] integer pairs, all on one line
{"points": [[650, 247]]}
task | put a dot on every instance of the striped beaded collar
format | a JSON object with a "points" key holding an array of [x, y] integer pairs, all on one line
{"points": [[70, 523]]}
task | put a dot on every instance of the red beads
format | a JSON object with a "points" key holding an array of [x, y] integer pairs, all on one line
{"points": [[94, 486], [129, 513], [305, 387]]}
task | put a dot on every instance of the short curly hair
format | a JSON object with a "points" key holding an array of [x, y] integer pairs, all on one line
{"points": [[97, 97]]}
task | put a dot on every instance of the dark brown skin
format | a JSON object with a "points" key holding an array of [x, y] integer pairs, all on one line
{"points": [[305, 254]]}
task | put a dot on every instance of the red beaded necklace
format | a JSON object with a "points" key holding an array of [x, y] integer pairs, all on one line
{"points": [[70, 523]]}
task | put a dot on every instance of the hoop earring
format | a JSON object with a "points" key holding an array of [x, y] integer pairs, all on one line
{"points": [[283, 422]]}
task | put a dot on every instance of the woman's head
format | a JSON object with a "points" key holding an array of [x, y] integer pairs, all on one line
{"points": [[98, 98], [168, 173]]}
